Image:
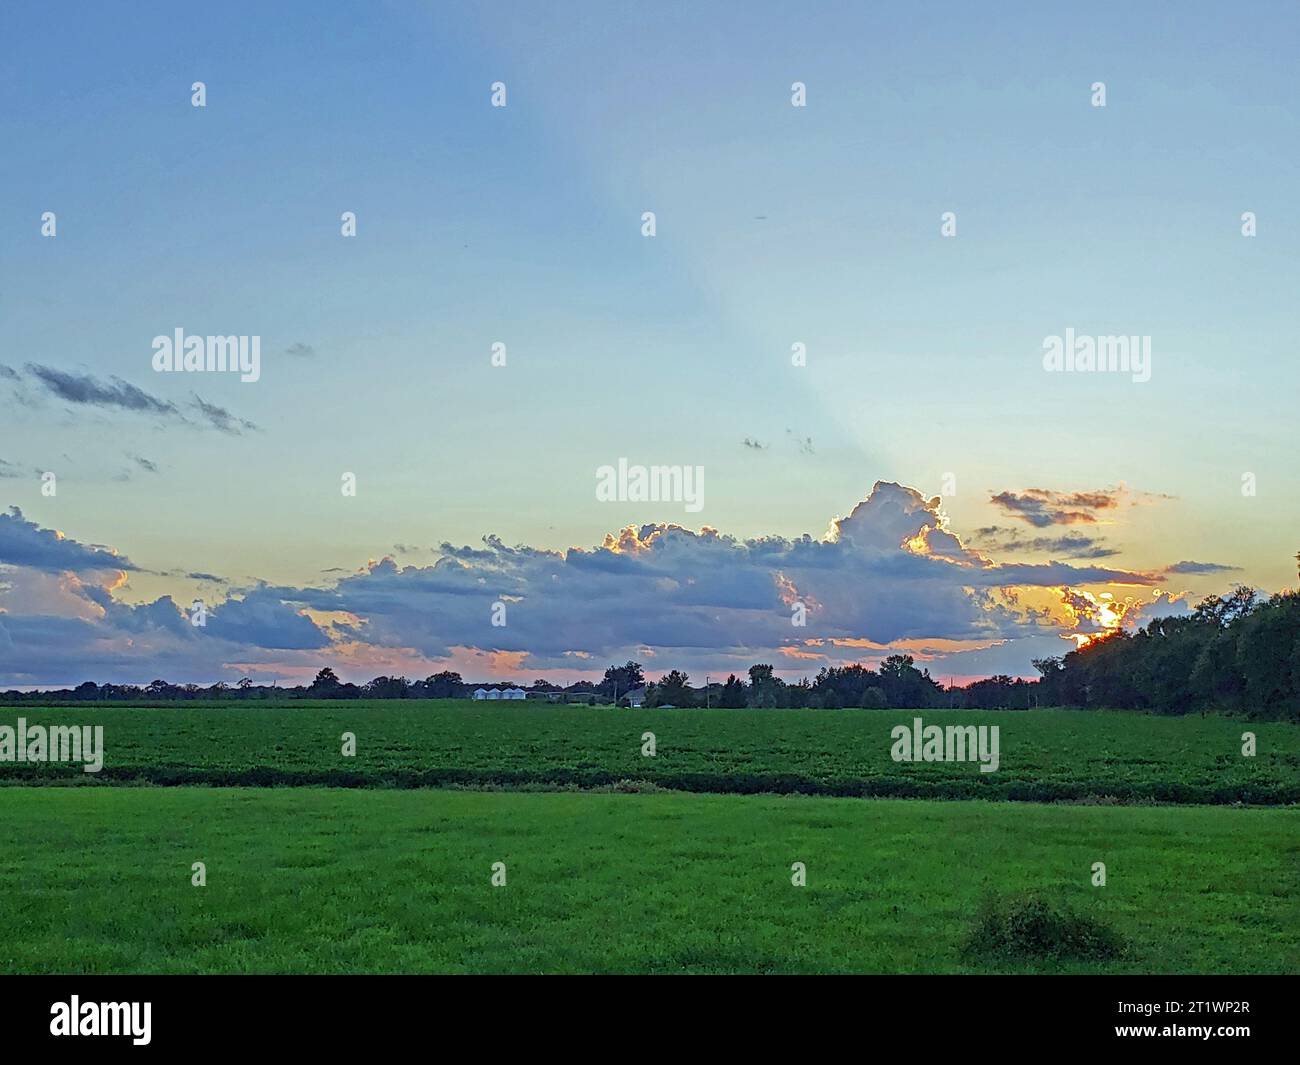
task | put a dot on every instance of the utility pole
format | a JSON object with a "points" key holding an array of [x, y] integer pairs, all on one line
{"points": [[707, 706]]}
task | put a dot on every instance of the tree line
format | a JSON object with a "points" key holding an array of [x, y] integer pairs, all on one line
{"points": [[1238, 653]]}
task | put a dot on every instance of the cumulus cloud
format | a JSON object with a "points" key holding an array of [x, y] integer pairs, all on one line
{"points": [[889, 571], [889, 575]]}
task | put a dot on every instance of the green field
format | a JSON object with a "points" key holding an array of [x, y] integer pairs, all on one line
{"points": [[329, 880], [618, 862], [1045, 755]]}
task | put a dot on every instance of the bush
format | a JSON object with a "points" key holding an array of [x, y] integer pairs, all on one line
{"points": [[1031, 927]]}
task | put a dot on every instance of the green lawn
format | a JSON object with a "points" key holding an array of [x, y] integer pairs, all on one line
{"points": [[332, 880], [1045, 754]]}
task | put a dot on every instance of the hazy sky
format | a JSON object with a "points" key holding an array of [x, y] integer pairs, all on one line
{"points": [[775, 225]]}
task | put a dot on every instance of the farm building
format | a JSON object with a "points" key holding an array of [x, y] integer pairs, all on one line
{"points": [[636, 696], [500, 693]]}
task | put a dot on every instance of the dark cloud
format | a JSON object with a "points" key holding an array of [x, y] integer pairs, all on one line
{"points": [[24, 543], [300, 350], [1041, 507], [116, 394], [144, 463], [1199, 567], [90, 391], [1069, 545]]}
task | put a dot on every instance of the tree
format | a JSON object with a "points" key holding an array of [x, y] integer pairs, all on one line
{"points": [[906, 686], [444, 685], [387, 688], [326, 681], [873, 699], [673, 689], [619, 680], [765, 689], [733, 694]]}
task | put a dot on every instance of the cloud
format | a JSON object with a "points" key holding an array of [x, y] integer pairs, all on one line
{"points": [[90, 391], [754, 445], [890, 574], [10, 472], [1199, 567], [300, 350], [222, 419], [1041, 507], [889, 571], [144, 463], [24, 543], [1069, 545], [117, 395]]}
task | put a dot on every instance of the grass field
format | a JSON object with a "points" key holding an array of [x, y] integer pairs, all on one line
{"points": [[1045, 755], [616, 862], [331, 880]]}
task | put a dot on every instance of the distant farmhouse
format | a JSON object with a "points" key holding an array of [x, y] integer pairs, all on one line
{"points": [[635, 696]]}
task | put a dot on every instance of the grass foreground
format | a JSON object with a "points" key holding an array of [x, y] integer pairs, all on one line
{"points": [[314, 880]]}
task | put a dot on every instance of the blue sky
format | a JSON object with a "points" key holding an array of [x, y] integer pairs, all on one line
{"points": [[521, 224]]}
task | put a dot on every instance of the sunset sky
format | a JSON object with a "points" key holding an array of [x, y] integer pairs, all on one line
{"points": [[521, 224]]}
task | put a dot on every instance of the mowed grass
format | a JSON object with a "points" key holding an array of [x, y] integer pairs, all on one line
{"points": [[332, 881], [1045, 755]]}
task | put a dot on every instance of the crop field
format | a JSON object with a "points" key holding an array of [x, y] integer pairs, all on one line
{"points": [[1044, 755], [333, 880]]}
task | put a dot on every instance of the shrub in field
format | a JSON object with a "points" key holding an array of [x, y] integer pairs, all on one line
{"points": [[1030, 926]]}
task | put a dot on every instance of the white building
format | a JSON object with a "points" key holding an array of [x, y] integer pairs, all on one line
{"points": [[500, 693]]}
